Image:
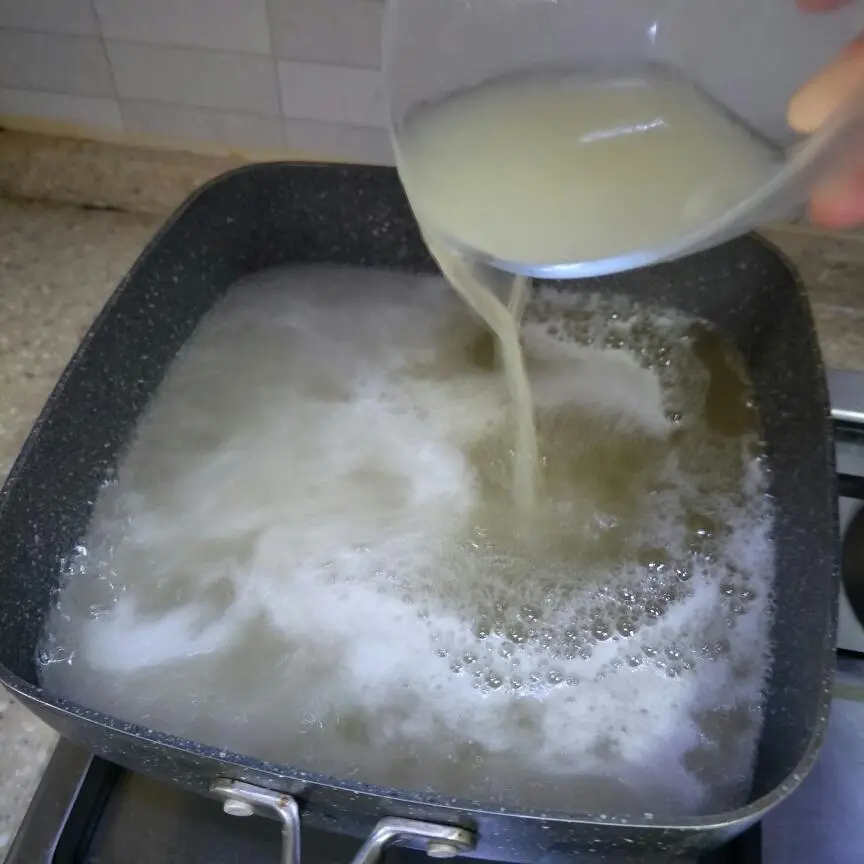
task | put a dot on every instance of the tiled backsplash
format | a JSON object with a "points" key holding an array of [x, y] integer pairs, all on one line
{"points": [[258, 75], [304, 75]]}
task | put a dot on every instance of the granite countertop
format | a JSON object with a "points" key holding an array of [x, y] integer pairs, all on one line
{"points": [[60, 259], [58, 265], [832, 269]]}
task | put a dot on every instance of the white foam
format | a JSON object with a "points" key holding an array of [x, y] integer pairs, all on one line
{"points": [[307, 557], [606, 381]]}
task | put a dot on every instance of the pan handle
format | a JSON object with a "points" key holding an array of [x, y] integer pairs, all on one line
{"points": [[438, 841]]}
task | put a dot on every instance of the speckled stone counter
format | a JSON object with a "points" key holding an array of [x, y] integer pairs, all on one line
{"points": [[60, 259], [832, 269], [58, 264], [136, 179]]}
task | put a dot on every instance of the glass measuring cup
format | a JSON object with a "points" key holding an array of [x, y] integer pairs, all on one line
{"points": [[746, 58]]}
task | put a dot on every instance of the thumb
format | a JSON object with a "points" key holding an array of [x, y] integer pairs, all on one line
{"points": [[839, 201], [826, 91]]}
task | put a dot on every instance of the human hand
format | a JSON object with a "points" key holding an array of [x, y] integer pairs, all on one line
{"points": [[838, 202]]}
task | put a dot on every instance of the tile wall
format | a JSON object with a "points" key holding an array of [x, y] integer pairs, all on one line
{"points": [[257, 75], [304, 75]]}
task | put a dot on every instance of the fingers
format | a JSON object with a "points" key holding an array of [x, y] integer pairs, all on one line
{"points": [[839, 202], [823, 94]]}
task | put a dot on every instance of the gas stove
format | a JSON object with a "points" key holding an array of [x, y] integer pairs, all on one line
{"points": [[88, 811]]}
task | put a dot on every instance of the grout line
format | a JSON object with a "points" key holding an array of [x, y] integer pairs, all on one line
{"points": [[232, 52], [283, 138], [212, 108], [207, 109], [51, 33], [58, 93], [101, 37], [352, 68], [333, 124], [240, 112]]}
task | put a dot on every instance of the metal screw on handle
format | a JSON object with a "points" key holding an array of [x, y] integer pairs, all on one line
{"points": [[244, 799], [438, 841]]}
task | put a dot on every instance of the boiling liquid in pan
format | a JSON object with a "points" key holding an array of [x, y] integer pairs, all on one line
{"points": [[307, 553]]}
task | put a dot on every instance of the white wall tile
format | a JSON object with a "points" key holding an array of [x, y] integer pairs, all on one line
{"points": [[78, 110], [338, 141], [332, 94], [189, 76], [345, 32], [50, 16], [57, 64], [230, 25], [202, 124]]}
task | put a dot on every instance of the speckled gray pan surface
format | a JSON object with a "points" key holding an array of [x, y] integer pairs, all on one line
{"points": [[277, 214]]}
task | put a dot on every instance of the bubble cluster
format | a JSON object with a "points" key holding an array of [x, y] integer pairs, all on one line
{"points": [[309, 552]]}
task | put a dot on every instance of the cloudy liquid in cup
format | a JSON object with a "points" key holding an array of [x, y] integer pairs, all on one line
{"points": [[554, 168]]}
